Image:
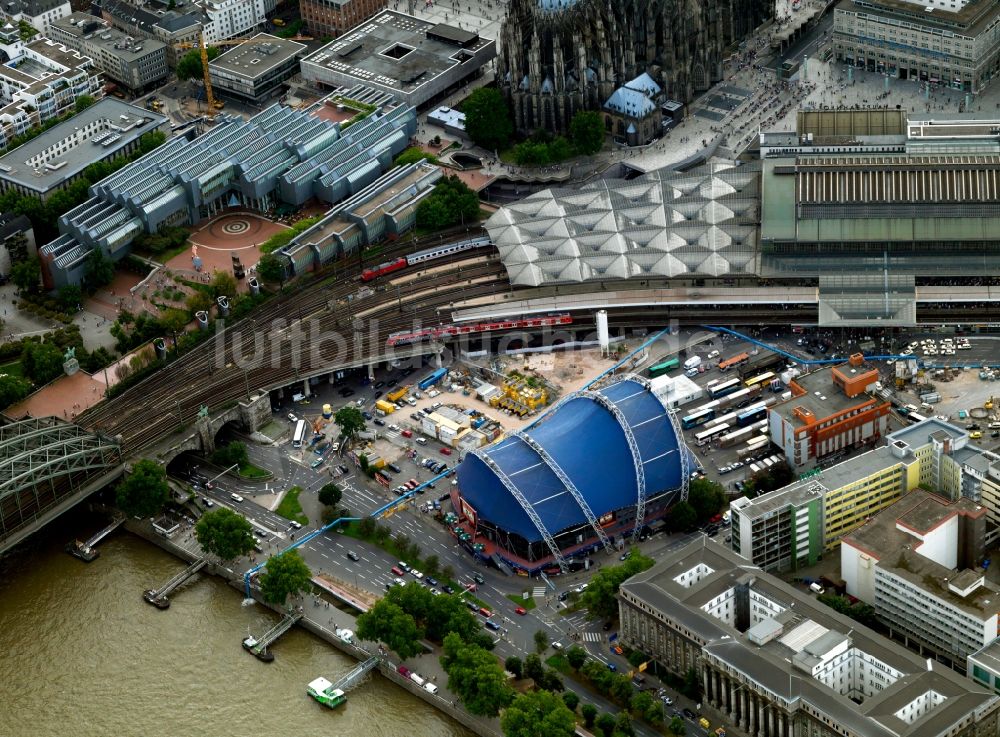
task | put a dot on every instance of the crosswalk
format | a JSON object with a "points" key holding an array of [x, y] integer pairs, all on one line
{"points": [[591, 636], [538, 592]]}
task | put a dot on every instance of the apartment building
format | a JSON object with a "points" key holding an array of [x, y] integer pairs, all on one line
{"points": [[919, 563], [135, 63], [222, 19], [952, 43], [175, 29], [830, 412], [39, 14], [775, 663], [41, 80]]}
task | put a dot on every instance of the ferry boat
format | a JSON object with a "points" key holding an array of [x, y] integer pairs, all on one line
{"points": [[324, 692]]}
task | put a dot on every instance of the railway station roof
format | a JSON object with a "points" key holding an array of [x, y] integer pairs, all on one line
{"points": [[586, 439], [665, 223]]}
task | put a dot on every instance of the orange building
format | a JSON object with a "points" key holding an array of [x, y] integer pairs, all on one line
{"points": [[830, 412], [330, 18]]}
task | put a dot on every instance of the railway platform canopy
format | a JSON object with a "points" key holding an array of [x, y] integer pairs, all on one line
{"points": [[665, 223]]}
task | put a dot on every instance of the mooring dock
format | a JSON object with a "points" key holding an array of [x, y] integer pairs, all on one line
{"points": [[159, 597], [259, 647], [87, 550]]}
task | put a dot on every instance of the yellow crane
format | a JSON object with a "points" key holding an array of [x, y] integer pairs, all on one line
{"points": [[239, 41], [213, 104]]}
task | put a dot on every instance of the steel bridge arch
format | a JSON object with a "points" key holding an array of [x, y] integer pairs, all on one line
{"points": [[43, 462]]}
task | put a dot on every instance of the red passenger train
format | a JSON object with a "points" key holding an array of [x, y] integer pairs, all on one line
{"points": [[420, 256], [450, 331]]}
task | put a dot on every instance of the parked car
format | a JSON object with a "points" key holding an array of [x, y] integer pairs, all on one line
{"points": [[446, 451], [448, 589], [421, 441], [380, 422]]}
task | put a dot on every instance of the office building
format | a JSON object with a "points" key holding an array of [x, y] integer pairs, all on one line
{"points": [[983, 666], [331, 18], [40, 81], [416, 61], [53, 159], [278, 157], [951, 43], [791, 527], [177, 30], [918, 563], [774, 662], [829, 413], [39, 14], [255, 72], [223, 19], [137, 64]]}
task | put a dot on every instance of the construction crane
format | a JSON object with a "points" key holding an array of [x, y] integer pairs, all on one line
{"points": [[210, 100]]}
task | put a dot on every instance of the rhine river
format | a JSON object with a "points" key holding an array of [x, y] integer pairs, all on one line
{"points": [[82, 654]]}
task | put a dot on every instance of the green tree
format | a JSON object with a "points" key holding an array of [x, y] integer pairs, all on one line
{"points": [[330, 495], [576, 656], [447, 573], [623, 725], [387, 623], [605, 723], [533, 668], [451, 202], [286, 574], [682, 517], [174, 320], [350, 421], [17, 247], [514, 665], [144, 491], [691, 687], [706, 497], [538, 714], [551, 681], [231, 454], [366, 527], [12, 389], [26, 274], [42, 362], [476, 677], [432, 565], [189, 65], [587, 131], [99, 270], [654, 714], [197, 301], [589, 713], [414, 154], [621, 688], [541, 641], [676, 726], [637, 658], [224, 285], [224, 533], [83, 102], [571, 700], [640, 702], [70, 297], [600, 597], [487, 119], [270, 268]]}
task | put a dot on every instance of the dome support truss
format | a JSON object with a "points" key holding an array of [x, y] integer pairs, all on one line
{"points": [[640, 471], [568, 484], [674, 423], [526, 506]]}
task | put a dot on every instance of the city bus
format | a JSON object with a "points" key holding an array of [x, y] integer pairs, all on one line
{"points": [[734, 361], [716, 431], [661, 368], [300, 434], [723, 388], [913, 418], [698, 417], [751, 414], [761, 380]]}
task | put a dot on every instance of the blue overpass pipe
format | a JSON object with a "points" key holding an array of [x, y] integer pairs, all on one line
{"points": [[376, 514], [803, 361]]}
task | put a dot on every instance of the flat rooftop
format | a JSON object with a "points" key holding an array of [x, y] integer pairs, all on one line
{"points": [[103, 34], [398, 51], [257, 56], [895, 549], [923, 432], [809, 631], [795, 494], [822, 397], [42, 163]]}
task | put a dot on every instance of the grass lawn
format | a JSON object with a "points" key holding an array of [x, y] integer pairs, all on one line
{"points": [[528, 603], [12, 369], [251, 471], [290, 507], [558, 662]]}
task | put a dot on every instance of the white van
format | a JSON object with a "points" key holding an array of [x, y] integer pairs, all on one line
{"points": [[713, 354], [416, 678], [816, 588], [693, 362], [430, 688]]}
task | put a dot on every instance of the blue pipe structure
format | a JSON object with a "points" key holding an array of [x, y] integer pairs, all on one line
{"points": [[803, 361], [376, 514]]}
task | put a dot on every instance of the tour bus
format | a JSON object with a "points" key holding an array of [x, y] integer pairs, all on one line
{"points": [[711, 433], [300, 434]]}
